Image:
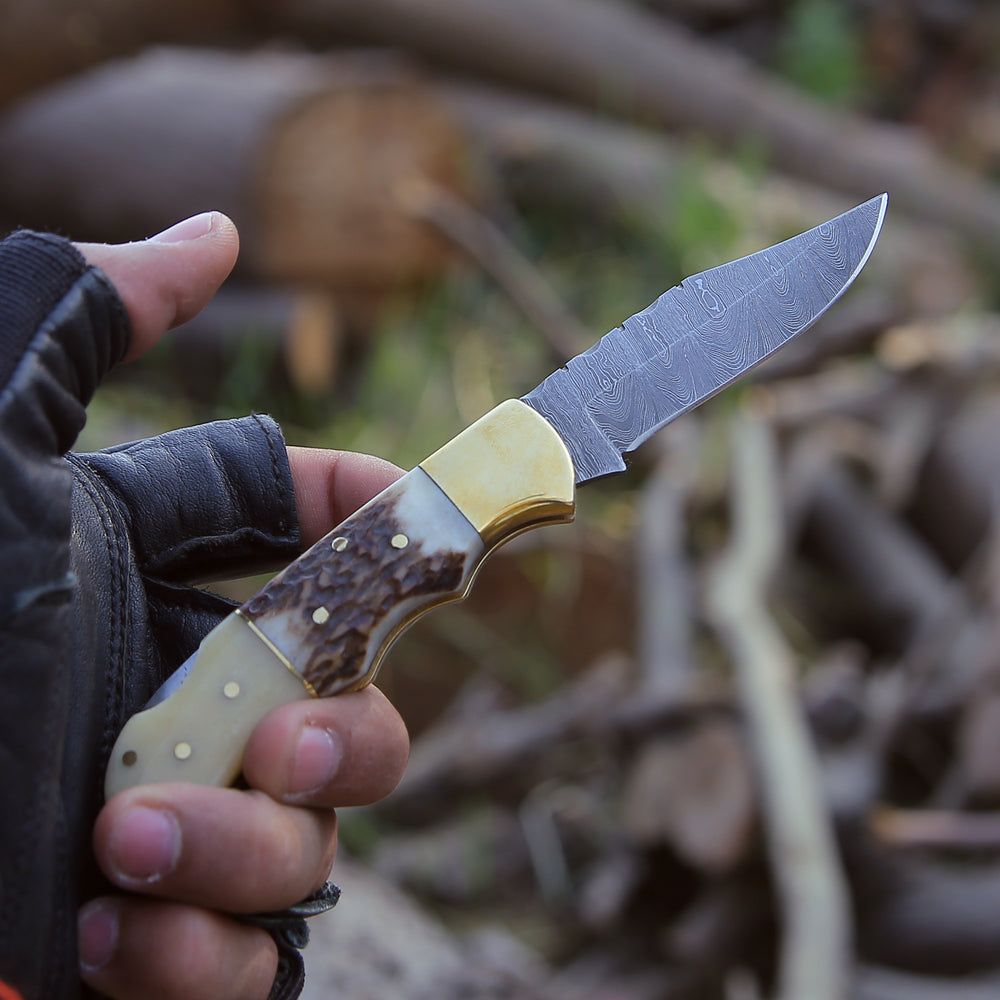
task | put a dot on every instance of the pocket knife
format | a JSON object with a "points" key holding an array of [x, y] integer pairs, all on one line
{"points": [[323, 625]]}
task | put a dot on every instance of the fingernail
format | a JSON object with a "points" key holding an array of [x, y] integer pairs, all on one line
{"points": [[97, 934], [190, 229], [317, 758], [144, 845]]}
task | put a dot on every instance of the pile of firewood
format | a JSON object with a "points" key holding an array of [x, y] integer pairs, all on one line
{"points": [[770, 763]]}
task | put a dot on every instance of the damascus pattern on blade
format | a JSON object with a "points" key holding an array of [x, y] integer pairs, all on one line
{"points": [[699, 337]]}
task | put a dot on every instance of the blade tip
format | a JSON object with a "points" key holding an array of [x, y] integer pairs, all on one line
{"points": [[883, 203]]}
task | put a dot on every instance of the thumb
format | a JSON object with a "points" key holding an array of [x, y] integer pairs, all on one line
{"points": [[169, 278]]}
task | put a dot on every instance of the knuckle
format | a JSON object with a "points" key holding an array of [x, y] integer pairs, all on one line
{"points": [[291, 856]]}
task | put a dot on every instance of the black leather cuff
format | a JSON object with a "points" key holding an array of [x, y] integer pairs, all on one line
{"points": [[96, 554]]}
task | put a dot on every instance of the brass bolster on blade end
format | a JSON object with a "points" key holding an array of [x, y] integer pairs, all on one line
{"points": [[507, 472]]}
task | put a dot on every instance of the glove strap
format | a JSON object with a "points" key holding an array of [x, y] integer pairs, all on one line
{"points": [[291, 933]]}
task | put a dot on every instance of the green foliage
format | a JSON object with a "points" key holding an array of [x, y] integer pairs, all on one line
{"points": [[704, 228], [821, 51]]}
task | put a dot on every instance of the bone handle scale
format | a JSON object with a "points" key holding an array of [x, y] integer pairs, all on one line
{"points": [[323, 625]]}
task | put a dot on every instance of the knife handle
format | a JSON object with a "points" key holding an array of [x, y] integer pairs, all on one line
{"points": [[323, 625]]}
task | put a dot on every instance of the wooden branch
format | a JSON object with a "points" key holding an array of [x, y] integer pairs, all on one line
{"points": [[666, 587], [463, 754], [469, 753], [895, 582], [902, 599], [553, 154], [464, 859], [815, 953], [305, 153], [299, 329], [729, 926], [497, 255], [920, 914], [625, 60]]}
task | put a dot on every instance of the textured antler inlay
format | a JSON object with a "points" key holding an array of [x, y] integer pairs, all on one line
{"points": [[332, 610]]}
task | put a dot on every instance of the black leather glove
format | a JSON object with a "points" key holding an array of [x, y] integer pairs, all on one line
{"points": [[96, 555]]}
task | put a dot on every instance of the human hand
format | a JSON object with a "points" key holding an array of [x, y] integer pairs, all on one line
{"points": [[196, 854], [190, 858]]}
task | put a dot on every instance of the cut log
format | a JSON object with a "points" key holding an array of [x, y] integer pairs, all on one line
{"points": [[47, 39], [305, 153], [627, 61]]}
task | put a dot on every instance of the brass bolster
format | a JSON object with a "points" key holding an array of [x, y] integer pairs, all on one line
{"points": [[507, 472]]}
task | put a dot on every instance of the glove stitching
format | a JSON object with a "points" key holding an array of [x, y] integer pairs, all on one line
{"points": [[276, 467], [108, 510]]}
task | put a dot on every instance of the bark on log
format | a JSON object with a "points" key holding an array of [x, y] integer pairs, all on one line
{"points": [[622, 59], [43, 40], [305, 153]]}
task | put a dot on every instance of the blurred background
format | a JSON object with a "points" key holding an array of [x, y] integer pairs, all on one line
{"points": [[736, 732]]}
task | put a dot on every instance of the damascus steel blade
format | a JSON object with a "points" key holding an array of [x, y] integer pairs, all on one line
{"points": [[699, 337]]}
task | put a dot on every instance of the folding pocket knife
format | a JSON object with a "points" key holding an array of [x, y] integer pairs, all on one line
{"points": [[323, 625]]}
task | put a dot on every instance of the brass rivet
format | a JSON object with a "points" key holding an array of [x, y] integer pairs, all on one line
{"points": [[129, 758], [321, 616], [339, 544], [182, 751], [231, 689], [399, 541]]}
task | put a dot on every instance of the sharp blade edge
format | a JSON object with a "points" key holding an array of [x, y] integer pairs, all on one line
{"points": [[699, 337]]}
